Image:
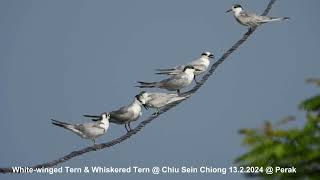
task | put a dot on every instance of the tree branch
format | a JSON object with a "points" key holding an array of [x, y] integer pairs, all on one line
{"points": [[151, 118]]}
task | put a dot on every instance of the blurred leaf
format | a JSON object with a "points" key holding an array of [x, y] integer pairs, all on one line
{"points": [[311, 104], [285, 120], [315, 81], [247, 131]]}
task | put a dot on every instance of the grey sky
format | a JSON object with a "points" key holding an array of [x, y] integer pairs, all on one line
{"points": [[61, 59]]}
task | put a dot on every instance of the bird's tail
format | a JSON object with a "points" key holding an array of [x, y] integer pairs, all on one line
{"points": [[164, 72], [168, 69], [60, 124], [182, 97], [146, 84], [168, 73], [277, 19], [178, 99], [94, 117], [185, 96]]}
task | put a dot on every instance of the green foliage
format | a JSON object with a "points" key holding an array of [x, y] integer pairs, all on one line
{"points": [[291, 147], [311, 104]]}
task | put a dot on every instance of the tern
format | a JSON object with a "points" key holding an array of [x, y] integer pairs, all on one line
{"points": [[90, 130], [250, 19], [202, 64], [175, 82], [125, 115], [158, 100]]}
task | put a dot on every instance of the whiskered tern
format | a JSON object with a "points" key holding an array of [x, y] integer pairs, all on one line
{"points": [[90, 130], [158, 100], [250, 19], [125, 115], [201, 64], [175, 82]]}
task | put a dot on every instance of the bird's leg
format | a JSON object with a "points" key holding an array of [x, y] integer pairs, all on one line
{"points": [[129, 126], [252, 28], [195, 80], [178, 91], [125, 125], [94, 144], [156, 113], [97, 146]]}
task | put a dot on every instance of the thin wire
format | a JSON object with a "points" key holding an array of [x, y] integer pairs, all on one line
{"points": [[151, 118]]}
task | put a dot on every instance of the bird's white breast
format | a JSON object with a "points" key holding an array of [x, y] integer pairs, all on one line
{"points": [[136, 109]]}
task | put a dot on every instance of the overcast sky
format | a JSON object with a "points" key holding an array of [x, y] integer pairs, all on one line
{"points": [[62, 59]]}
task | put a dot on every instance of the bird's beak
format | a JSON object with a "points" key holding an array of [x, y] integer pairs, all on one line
{"points": [[197, 69], [211, 56], [229, 10], [145, 106]]}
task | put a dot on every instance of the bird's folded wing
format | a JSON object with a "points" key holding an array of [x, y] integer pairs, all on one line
{"points": [[120, 115]]}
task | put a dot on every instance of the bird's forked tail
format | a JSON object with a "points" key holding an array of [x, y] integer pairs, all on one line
{"points": [[146, 84], [60, 124], [278, 19]]}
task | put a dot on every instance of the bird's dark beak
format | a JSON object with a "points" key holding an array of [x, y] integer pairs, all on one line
{"points": [[145, 106], [211, 56], [197, 69], [229, 10]]}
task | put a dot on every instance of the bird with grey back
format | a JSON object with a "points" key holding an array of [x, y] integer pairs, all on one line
{"points": [[125, 115], [158, 100], [202, 64], [175, 82], [90, 130], [251, 20]]}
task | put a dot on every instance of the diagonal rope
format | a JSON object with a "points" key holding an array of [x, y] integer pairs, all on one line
{"points": [[151, 118]]}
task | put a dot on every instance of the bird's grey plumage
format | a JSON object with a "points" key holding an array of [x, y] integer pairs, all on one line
{"points": [[173, 83], [89, 130], [251, 20], [158, 100], [201, 64], [124, 115]]}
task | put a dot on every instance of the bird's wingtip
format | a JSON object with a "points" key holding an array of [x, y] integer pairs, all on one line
{"points": [[162, 73], [168, 69], [54, 120], [91, 116]]}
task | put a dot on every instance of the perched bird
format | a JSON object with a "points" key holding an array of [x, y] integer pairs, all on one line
{"points": [[90, 130], [175, 82], [125, 115], [158, 100], [250, 19], [202, 64]]}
